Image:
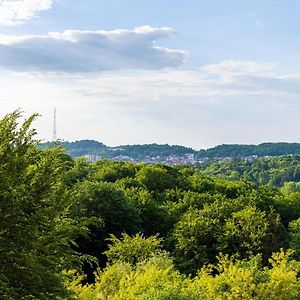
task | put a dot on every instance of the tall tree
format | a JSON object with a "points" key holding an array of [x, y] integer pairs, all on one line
{"points": [[36, 234]]}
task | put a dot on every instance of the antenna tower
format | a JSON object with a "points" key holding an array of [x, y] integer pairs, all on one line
{"points": [[54, 137]]}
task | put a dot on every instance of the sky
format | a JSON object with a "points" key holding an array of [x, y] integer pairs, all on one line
{"points": [[196, 73]]}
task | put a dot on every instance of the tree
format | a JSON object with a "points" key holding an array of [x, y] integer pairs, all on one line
{"points": [[134, 249], [244, 232], [139, 269], [107, 211], [156, 178], [294, 237], [248, 279], [222, 226], [36, 232]]}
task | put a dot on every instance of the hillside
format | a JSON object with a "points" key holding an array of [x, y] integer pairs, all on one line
{"points": [[265, 149], [143, 152], [90, 147]]}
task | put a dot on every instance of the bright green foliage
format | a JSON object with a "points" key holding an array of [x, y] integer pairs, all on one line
{"points": [[156, 178], [244, 232], [111, 171], [151, 279], [274, 171], [240, 279], [179, 202], [294, 237], [134, 249], [282, 280], [289, 187], [150, 275], [36, 232], [198, 236], [229, 279], [81, 169], [288, 206], [195, 238]]}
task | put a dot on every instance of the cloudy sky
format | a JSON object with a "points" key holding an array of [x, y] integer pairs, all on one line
{"points": [[196, 73]]}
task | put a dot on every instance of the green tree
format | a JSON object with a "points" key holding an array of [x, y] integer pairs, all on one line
{"points": [[138, 269], [294, 237], [232, 279], [156, 178], [244, 232], [134, 249], [36, 231]]}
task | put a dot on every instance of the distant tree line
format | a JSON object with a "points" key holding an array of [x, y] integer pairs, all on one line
{"points": [[90, 147], [274, 171], [239, 151]]}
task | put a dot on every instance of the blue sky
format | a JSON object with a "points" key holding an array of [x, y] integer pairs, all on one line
{"points": [[196, 73]]}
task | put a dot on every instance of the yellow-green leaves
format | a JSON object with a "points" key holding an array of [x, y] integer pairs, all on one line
{"points": [[134, 249]]}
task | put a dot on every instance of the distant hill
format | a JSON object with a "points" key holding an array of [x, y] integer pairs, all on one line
{"points": [[139, 152], [90, 147], [261, 150], [81, 148]]}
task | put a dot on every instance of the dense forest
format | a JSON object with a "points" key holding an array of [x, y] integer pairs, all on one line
{"points": [[277, 171], [238, 151], [71, 229], [90, 147]]}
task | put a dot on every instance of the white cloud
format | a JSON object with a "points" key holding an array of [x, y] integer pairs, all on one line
{"points": [[206, 86], [196, 108], [14, 12], [89, 51], [252, 78], [227, 70]]}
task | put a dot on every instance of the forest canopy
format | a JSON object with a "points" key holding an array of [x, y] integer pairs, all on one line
{"points": [[71, 229], [274, 171]]}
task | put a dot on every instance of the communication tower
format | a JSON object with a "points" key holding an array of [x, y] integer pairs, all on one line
{"points": [[54, 137]]}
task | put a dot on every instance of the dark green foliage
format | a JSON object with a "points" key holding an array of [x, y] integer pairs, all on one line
{"points": [[104, 201], [238, 151], [90, 147], [151, 213], [80, 148], [139, 152], [107, 210]]}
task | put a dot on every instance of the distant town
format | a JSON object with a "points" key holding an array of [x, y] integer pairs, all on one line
{"points": [[174, 154]]}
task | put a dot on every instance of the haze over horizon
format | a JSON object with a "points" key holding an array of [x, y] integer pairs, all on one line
{"points": [[197, 74]]}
